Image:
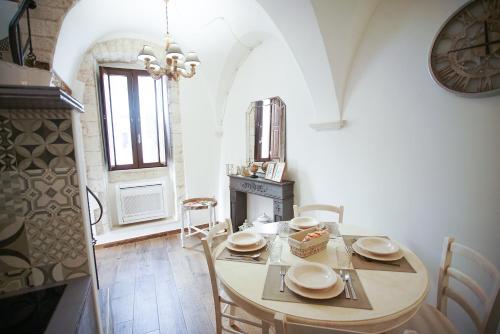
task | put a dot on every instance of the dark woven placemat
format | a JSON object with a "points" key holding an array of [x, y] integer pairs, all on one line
{"points": [[228, 255], [360, 262], [272, 292]]}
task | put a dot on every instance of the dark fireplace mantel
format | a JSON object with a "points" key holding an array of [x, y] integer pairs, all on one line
{"points": [[280, 192]]}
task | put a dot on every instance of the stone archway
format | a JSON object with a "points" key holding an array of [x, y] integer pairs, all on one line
{"points": [[121, 51], [46, 21]]}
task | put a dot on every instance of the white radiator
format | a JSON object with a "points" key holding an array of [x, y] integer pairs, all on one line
{"points": [[141, 201]]}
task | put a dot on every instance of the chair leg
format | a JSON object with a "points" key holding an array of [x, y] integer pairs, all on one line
{"points": [[265, 327], [218, 324], [182, 226], [211, 222], [209, 219], [218, 318], [188, 213], [214, 218]]}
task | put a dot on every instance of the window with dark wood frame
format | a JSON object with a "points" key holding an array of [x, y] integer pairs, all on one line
{"points": [[133, 109]]}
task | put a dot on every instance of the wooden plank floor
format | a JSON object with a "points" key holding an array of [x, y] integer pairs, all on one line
{"points": [[157, 286]]}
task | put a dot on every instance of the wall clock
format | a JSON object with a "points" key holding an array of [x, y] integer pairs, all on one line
{"points": [[465, 55]]}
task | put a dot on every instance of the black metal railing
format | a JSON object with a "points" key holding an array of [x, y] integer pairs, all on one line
{"points": [[94, 241], [18, 47]]}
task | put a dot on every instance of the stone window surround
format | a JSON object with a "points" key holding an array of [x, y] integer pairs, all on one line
{"points": [[122, 52]]}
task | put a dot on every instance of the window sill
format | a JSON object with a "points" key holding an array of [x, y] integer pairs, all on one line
{"points": [[137, 174]]}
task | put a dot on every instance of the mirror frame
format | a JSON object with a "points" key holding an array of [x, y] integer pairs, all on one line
{"points": [[251, 130]]}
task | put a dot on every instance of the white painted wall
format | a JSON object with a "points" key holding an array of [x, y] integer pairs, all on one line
{"points": [[201, 144], [280, 76], [415, 162]]}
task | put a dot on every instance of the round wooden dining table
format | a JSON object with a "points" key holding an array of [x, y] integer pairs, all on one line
{"points": [[395, 296]]}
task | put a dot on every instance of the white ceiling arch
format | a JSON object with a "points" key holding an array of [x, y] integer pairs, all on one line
{"points": [[224, 33]]}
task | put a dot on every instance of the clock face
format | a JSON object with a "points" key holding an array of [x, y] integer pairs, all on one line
{"points": [[465, 56]]}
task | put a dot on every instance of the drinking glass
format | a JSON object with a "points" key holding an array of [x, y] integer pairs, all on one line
{"points": [[283, 229], [343, 254], [333, 228], [229, 169], [277, 248]]}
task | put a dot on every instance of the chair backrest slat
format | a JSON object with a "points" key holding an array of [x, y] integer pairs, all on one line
{"points": [[469, 282], [298, 210], [476, 257], [450, 293], [217, 229], [486, 319]]}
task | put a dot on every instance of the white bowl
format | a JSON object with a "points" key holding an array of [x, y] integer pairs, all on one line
{"points": [[244, 238], [311, 275], [378, 257], [377, 245], [304, 222], [246, 249], [328, 293]]}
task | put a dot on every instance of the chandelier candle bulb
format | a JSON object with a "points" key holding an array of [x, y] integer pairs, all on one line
{"points": [[192, 59], [154, 65], [147, 54], [174, 52]]}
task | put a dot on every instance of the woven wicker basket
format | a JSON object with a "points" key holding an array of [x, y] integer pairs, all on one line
{"points": [[307, 248]]}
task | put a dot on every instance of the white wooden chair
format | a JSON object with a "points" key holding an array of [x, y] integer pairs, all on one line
{"points": [[433, 320], [284, 326], [222, 302], [298, 210]]}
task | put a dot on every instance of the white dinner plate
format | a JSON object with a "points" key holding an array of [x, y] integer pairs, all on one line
{"points": [[311, 275], [378, 245], [244, 238], [244, 249], [329, 293], [293, 227], [303, 222], [391, 257]]}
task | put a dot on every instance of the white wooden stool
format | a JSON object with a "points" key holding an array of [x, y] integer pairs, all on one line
{"points": [[200, 203]]}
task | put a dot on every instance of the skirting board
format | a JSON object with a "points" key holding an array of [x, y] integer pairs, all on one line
{"points": [[145, 237]]}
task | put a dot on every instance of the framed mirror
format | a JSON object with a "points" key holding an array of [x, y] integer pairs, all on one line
{"points": [[265, 131]]}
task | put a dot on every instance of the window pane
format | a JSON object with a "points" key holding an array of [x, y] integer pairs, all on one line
{"points": [[266, 127], [161, 96], [149, 119], [109, 122], [122, 135]]}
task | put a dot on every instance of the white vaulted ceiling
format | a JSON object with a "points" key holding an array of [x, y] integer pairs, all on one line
{"points": [[224, 33]]}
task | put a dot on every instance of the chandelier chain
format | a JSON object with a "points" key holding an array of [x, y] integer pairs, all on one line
{"points": [[166, 15], [177, 64]]}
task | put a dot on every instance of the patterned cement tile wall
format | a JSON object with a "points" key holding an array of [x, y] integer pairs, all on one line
{"points": [[41, 226], [7, 153]]}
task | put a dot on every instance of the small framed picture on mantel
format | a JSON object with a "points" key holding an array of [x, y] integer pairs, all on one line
{"points": [[279, 171], [270, 171]]}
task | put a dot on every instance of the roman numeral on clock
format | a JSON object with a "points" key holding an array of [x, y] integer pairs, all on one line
{"points": [[485, 84]]}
